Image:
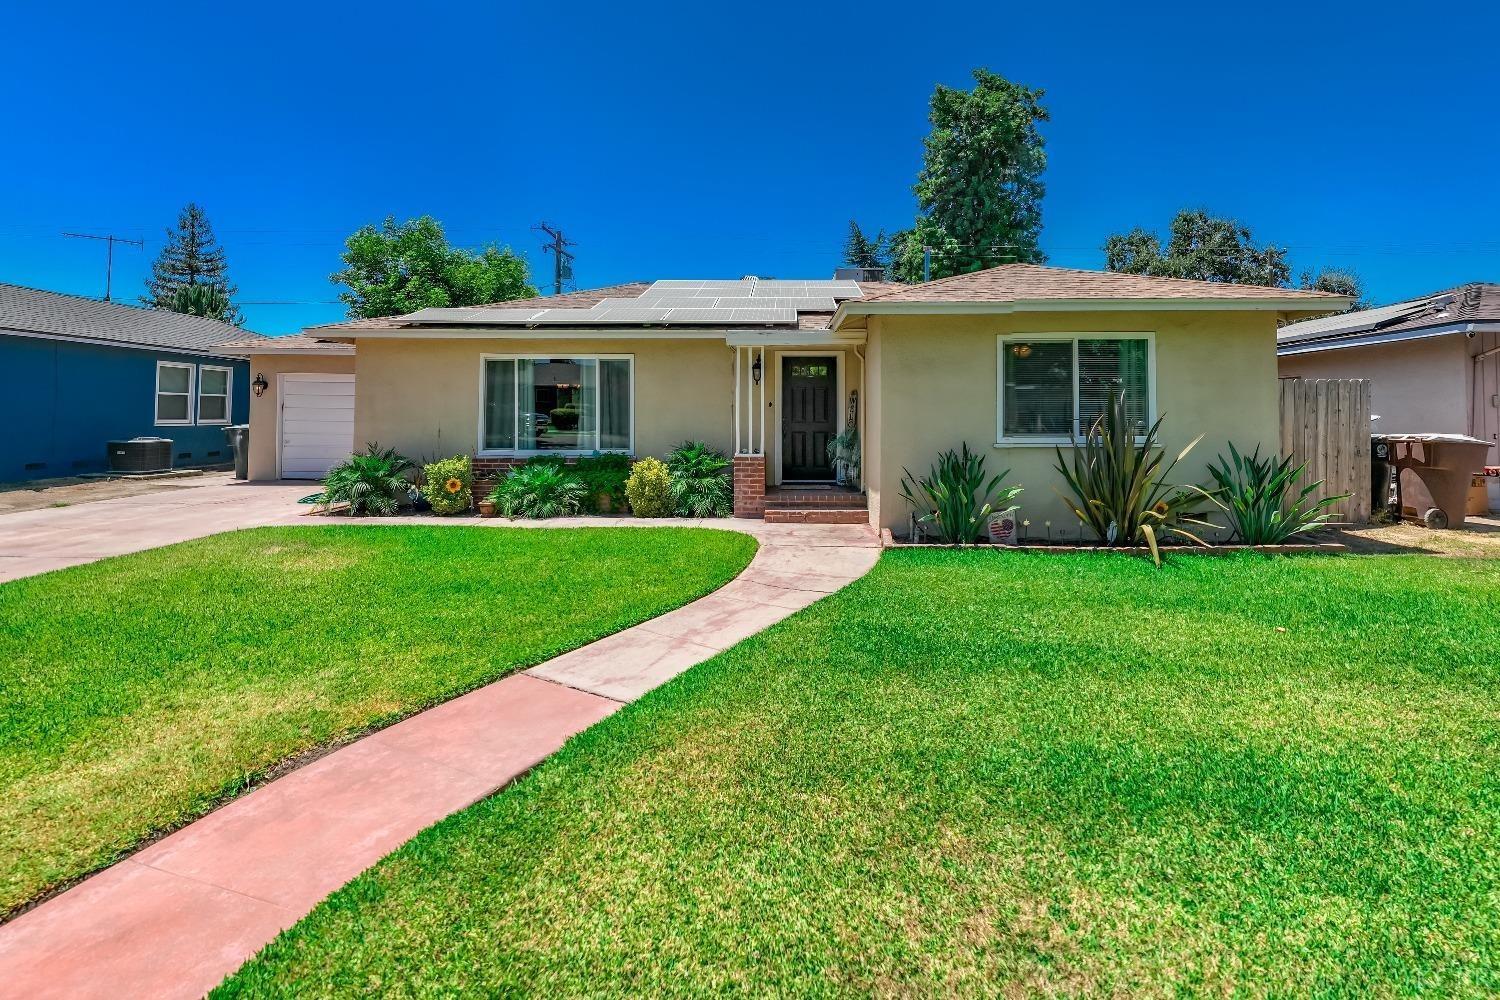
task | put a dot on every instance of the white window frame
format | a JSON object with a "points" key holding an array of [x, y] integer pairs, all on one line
{"points": [[228, 395], [483, 452], [1004, 340], [156, 400]]}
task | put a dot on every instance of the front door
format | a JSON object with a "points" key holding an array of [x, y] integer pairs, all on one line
{"points": [[809, 417]]}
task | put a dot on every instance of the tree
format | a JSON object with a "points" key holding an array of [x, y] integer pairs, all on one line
{"points": [[979, 193], [1201, 247], [192, 256], [1339, 281], [202, 300], [398, 269], [862, 251]]}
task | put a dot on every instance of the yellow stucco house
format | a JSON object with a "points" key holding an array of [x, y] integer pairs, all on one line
{"points": [[1014, 360]]}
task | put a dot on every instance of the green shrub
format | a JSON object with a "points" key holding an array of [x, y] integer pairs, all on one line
{"points": [[539, 490], [649, 488], [448, 485], [702, 485], [373, 483], [564, 418], [1121, 486], [604, 477], [1255, 494], [955, 498]]}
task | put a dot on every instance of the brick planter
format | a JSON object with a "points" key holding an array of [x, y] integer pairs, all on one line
{"points": [[749, 485]]}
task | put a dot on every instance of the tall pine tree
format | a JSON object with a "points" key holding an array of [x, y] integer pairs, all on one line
{"points": [[191, 257]]}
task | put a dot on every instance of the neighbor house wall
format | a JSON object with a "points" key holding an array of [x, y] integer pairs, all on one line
{"points": [[937, 389], [264, 409], [64, 401], [1421, 386], [422, 397]]}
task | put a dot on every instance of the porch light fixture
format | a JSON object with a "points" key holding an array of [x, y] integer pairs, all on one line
{"points": [[755, 370], [259, 385]]}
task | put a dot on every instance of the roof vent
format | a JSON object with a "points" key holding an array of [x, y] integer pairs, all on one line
{"points": [[859, 274]]}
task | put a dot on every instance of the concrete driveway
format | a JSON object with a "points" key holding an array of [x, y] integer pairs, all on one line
{"points": [[36, 541]]}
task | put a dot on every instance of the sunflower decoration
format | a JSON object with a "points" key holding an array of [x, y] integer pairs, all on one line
{"points": [[453, 485]]}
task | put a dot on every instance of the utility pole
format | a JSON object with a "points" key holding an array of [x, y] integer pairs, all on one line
{"points": [[562, 260], [927, 263], [109, 254]]}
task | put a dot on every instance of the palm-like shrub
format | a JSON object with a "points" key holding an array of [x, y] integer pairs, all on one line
{"points": [[543, 490], [1120, 486], [1256, 495], [701, 481], [375, 482], [649, 488], [448, 485], [955, 498]]}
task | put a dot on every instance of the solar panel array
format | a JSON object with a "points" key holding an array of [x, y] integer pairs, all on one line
{"points": [[691, 302]]}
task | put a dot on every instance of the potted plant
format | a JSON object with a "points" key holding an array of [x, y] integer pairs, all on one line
{"points": [[843, 454]]}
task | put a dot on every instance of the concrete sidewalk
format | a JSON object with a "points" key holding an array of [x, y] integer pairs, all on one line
{"points": [[180, 915]]}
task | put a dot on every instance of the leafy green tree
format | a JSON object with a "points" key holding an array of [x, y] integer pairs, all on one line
{"points": [[397, 269], [863, 251], [192, 256], [202, 300], [979, 193], [1201, 247], [1339, 281]]}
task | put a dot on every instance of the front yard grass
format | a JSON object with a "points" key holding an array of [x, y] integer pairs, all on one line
{"points": [[138, 691], [993, 773]]}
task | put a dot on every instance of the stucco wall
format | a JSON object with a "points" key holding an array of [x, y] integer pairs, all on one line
{"points": [[264, 409], [1420, 385], [422, 397], [1215, 375]]}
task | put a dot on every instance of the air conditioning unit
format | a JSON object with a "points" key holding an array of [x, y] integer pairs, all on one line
{"points": [[142, 454], [859, 274]]}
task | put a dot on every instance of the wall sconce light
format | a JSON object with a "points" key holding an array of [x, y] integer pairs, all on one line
{"points": [[755, 370], [259, 385]]}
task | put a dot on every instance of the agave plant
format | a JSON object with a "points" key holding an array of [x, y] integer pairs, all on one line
{"points": [[376, 482], [701, 484], [542, 490], [955, 498], [1120, 486], [1256, 495]]}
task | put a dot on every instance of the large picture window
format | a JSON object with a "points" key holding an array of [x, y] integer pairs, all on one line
{"points": [[1053, 388], [570, 405], [174, 393]]}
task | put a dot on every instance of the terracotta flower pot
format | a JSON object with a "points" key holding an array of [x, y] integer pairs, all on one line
{"points": [[487, 508]]}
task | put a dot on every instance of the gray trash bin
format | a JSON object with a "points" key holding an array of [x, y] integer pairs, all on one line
{"points": [[238, 436]]}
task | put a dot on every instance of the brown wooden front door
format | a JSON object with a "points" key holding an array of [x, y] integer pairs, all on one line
{"points": [[809, 417]]}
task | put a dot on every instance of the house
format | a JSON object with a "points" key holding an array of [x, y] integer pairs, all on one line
{"points": [[79, 373], [1014, 360], [1434, 361]]}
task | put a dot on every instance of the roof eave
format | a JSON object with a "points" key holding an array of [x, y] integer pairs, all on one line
{"points": [[1373, 338], [1284, 305]]}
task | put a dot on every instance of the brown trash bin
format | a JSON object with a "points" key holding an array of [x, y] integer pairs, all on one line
{"points": [[1435, 471]]}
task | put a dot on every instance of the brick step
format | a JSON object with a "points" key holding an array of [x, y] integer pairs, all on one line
{"points": [[807, 501], [819, 515]]}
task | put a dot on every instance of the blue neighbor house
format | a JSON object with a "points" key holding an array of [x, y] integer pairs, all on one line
{"points": [[78, 373]]}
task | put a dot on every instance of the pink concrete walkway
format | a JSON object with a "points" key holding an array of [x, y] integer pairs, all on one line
{"points": [[182, 914]]}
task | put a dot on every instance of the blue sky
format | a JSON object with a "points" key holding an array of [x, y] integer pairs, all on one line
{"points": [[715, 140]]}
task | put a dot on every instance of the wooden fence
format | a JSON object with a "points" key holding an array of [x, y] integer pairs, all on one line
{"points": [[1326, 424]]}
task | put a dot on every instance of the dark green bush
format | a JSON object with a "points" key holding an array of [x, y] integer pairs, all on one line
{"points": [[701, 481], [376, 482], [604, 476], [541, 489], [564, 418]]}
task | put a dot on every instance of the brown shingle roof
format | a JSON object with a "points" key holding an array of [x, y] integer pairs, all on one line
{"points": [[1030, 282], [290, 343], [568, 300]]}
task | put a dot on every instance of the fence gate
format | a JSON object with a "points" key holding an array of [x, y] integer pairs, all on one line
{"points": [[1325, 423]]}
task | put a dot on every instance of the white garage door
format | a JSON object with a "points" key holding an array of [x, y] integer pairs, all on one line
{"points": [[317, 424]]}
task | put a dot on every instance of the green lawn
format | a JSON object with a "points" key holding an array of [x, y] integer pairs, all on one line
{"points": [[137, 692], [983, 773]]}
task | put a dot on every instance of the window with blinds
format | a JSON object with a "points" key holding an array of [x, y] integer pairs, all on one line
{"points": [[1055, 388]]}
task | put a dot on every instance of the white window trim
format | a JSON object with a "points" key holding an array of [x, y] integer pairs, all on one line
{"points": [[228, 395], [1053, 440], [156, 400], [481, 451]]}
